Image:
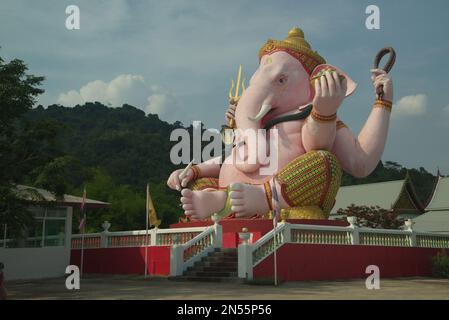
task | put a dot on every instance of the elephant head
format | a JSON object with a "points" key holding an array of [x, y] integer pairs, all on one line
{"points": [[280, 85]]}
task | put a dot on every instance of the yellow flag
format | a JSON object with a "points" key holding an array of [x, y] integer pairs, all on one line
{"points": [[152, 217]]}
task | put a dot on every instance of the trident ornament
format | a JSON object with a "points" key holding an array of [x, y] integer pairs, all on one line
{"points": [[234, 99], [227, 130]]}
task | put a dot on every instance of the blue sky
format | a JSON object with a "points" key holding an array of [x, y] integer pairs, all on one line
{"points": [[176, 58]]}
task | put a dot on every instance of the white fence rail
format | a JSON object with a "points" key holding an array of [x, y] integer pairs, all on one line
{"points": [[136, 238], [250, 255], [34, 242], [187, 245], [185, 255]]}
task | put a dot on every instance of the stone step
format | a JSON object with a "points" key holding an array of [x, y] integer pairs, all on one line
{"points": [[226, 253], [206, 279], [221, 259], [207, 268], [224, 269], [214, 274], [211, 262], [221, 264]]}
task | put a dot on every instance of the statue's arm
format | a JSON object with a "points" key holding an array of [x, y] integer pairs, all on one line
{"points": [[318, 135], [360, 155], [209, 168], [318, 131]]}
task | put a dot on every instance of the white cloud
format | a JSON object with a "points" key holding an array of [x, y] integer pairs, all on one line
{"points": [[125, 88], [410, 106], [158, 103], [446, 109]]}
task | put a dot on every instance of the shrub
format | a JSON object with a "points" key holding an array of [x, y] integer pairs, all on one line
{"points": [[440, 265], [373, 217]]}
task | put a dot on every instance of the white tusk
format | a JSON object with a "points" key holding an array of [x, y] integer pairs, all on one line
{"points": [[262, 112]]}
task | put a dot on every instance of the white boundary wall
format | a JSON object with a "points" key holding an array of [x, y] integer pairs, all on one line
{"points": [[35, 263]]}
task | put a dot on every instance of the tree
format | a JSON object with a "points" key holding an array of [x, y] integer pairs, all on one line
{"points": [[24, 145], [127, 205], [373, 217]]}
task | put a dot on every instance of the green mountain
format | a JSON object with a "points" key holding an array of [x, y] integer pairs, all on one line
{"points": [[131, 147], [121, 149]]}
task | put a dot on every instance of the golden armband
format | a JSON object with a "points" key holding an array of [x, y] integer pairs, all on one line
{"points": [[196, 172], [384, 104], [341, 125], [320, 118]]}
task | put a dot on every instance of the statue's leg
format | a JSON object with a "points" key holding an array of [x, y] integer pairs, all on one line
{"points": [[311, 179], [203, 183], [202, 198]]}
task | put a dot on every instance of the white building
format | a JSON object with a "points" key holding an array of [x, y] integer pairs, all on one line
{"points": [[45, 251]]}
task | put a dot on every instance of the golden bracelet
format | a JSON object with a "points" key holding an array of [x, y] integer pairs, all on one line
{"points": [[384, 104], [320, 118], [341, 125], [268, 194], [196, 172]]}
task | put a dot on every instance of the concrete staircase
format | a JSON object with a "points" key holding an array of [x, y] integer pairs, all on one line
{"points": [[219, 266]]}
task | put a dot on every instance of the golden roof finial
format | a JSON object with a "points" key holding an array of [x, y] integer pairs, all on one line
{"points": [[296, 32], [295, 45], [296, 37]]}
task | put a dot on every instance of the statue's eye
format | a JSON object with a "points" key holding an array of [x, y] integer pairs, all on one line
{"points": [[282, 79]]}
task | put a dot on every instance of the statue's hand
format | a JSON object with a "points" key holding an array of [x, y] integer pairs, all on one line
{"points": [[230, 113], [329, 93], [175, 183], [382, 79]]}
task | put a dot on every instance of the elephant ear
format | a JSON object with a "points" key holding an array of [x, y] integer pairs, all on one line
{"points": [[351, 85]]}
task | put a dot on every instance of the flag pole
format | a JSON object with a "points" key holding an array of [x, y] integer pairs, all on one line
{"points": [[146, 234], [275, 256], [82, 253], [276, 212], [83, 209]]}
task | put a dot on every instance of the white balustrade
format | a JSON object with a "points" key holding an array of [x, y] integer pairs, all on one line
{"points": [[189, 245], [250, 255], [135, 238], [185, 255]]}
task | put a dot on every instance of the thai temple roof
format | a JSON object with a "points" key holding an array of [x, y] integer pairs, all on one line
{"points": [[40, 195], [436, 219], [440, 197], [398, 194]]}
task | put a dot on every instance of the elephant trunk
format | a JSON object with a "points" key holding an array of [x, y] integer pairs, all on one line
{"points": [[253, 106]]}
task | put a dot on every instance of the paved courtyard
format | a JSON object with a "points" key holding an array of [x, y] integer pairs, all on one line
{"points": [[120, 287]]}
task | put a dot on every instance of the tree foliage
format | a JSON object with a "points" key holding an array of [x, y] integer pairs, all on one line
{"points": [[24, 146], [423, 181], [127, 204], [373, 217]]}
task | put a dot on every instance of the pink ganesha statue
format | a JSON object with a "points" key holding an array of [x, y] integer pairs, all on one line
{"points": [[296, 93]]}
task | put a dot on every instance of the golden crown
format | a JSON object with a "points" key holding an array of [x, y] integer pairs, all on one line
{"points": [[295, 45]]}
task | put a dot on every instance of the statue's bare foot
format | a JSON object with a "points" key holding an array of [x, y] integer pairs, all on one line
{"points": [[199, 205], [248, 200]]}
